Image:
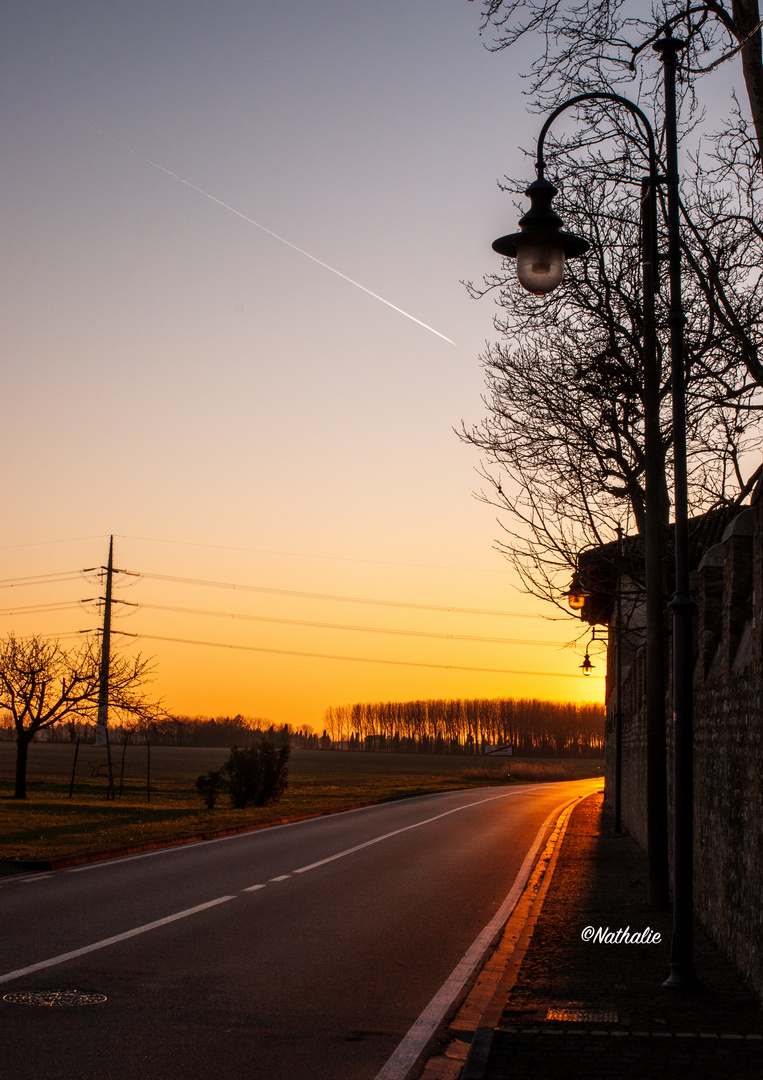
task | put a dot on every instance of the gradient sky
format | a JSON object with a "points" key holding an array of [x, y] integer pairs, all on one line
{"points": [[228, 407]]}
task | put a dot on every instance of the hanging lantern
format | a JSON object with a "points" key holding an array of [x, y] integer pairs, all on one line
{"points": [[577, 593], [541, 247]]}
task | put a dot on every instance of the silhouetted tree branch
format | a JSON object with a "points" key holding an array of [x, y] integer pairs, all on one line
{"points": [[586, 44], [566, 390]]}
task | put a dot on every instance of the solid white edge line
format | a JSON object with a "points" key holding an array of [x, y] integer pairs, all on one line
{"points": [[415, 1041], [63, 957]]}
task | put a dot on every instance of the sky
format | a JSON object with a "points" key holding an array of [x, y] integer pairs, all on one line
{"points": [[235, 337]]}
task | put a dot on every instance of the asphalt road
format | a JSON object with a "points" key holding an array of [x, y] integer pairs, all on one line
{"points": [[304, 952]]}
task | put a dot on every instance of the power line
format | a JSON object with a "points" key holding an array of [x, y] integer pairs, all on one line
{"points": [[309, 555], [355, 659], [47, 543], [330, 596], [63, 606], [266, 590], [40, 579], [344, 626]]}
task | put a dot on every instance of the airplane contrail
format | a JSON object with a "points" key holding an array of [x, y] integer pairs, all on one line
{"points": [[257, 225]]}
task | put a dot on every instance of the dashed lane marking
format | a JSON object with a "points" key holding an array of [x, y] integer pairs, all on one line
{"points": [[63, 957]]}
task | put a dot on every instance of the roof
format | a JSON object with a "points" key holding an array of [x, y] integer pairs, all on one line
{"points": [[600, 568]]}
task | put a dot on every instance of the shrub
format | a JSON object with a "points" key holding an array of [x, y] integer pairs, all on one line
{"points": [[256, 774], [210, 785]]}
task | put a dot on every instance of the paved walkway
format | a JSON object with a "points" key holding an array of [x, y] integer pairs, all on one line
{"points": [[591, 1010]]}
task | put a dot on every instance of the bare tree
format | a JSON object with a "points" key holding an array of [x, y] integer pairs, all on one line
{"points": [[566, 402], [571, 397], [605, 43], [41, 684]]}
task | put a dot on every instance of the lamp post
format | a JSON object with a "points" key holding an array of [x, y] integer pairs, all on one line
{"points": [[618, 717], [541, 249]]}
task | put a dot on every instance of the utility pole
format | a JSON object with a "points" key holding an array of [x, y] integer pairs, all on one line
{"points": [[102, 722]]}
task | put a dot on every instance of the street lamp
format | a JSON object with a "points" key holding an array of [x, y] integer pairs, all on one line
{"points": [[541, 249], [577, 594]]}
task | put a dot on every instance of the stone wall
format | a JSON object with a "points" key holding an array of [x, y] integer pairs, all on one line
{"points": [[728, 739]]}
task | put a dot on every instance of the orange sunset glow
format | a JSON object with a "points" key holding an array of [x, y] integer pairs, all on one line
{"points": [[238, 340], [282, 636]]}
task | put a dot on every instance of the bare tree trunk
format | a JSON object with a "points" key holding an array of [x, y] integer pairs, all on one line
{"points": [[22, 747], [122, 768], [74, 769], [746, 15]]}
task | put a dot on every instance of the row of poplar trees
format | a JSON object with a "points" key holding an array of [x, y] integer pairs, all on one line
{"points": [[532, 728]]}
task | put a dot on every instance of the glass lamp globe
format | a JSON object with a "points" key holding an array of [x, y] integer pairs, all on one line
{"points": [[540, 265], [578, 594]]}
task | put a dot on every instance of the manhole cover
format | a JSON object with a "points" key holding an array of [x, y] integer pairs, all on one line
{"points": [[53, 997], [583, 1016]]}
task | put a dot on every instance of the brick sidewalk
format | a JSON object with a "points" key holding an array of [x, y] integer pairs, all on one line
{"points": [[591, 1010]]}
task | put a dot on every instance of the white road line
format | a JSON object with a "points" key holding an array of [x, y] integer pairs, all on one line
{"points": [[281, 877], [253, 888], [131, 858], [415, 1042], [63, 957], [251, 833], [243, 835], [396, 832]]}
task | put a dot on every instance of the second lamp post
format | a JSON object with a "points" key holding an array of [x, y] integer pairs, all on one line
{"points": [[541, 248]]}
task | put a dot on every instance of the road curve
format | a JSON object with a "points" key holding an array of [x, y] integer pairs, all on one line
{"points": [[305, 951]]}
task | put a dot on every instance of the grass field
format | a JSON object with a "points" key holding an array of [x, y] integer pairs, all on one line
{"points": [[49, 824]]}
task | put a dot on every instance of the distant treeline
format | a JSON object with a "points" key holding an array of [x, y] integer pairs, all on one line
{"points": [[439, 726], [532, 728], [232, 730], [224, 731]]}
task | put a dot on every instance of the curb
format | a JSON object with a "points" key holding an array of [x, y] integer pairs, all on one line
{"points": [[539, 882]]}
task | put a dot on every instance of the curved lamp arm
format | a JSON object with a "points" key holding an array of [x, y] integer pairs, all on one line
{"points": [[603, 95], [541, 247]]}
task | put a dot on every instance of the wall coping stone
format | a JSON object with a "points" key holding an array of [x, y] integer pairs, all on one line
{"points": [[742, 525], [714, 556]]}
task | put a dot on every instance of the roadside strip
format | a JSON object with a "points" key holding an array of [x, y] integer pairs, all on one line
{"points": [[516, 919], [18, 868], [11, 870], [482, 1011]]}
